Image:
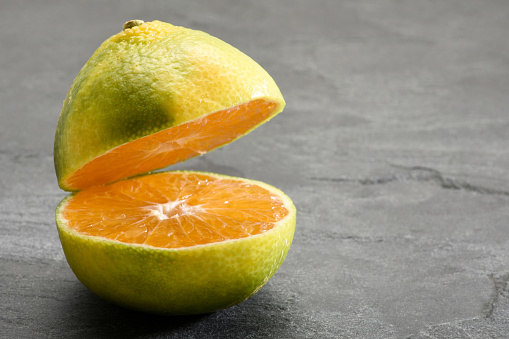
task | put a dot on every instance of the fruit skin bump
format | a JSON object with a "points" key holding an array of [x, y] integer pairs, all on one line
{"points": [[191, 280], [150, 77]]}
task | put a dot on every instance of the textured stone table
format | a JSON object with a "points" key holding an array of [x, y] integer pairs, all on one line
{"points": [[394, 146]]}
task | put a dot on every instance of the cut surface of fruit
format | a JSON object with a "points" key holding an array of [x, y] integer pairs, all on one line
{"points": [[175, 209], [172, 145]]}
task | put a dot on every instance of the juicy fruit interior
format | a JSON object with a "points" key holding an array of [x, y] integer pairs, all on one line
{"points": [[172, 145], [174, 210]]}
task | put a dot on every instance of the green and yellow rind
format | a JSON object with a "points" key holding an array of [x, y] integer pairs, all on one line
{"points": [[190, 280], [134, 86]]}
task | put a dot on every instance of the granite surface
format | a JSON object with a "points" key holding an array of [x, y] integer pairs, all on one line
{"points": [[394, 146]]}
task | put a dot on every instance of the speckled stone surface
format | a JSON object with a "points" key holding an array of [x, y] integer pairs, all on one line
{"points": [[394, 146]]}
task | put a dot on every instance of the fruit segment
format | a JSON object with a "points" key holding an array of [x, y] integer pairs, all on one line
{"points": [[174, 210]]}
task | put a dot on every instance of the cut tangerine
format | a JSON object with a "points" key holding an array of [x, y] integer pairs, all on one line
{"points": [[155, 95], [176, 242], [173, 242]]}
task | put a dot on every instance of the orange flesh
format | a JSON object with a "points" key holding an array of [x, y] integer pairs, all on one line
{"points": [[174, 209], [172, 145]]}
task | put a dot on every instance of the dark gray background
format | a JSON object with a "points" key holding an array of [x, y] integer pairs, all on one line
{"points": [[393, 146]]}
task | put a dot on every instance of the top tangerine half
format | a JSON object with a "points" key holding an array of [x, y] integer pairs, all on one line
{"points": [[154, 95]]}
